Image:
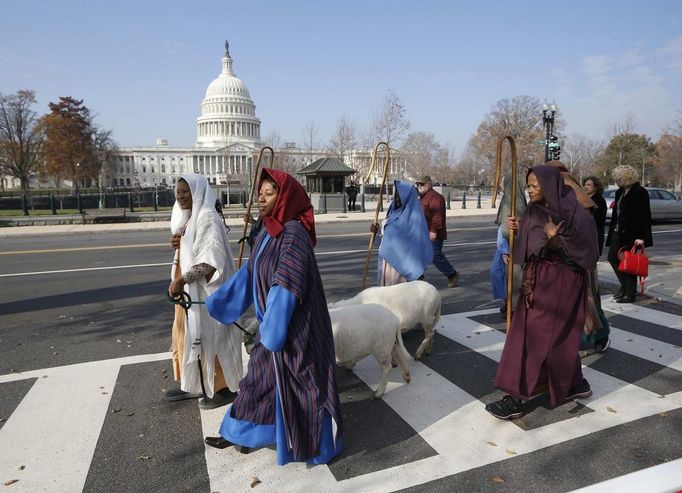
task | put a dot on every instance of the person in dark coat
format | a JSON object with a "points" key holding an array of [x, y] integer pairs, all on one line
{"points": [[599, 339], [595, 189], [352, 192], [289, 395], [433, 205], [557, 246], [630, 225]]}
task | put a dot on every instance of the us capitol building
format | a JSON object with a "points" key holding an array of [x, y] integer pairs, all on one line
{"points": [[227, 146]]}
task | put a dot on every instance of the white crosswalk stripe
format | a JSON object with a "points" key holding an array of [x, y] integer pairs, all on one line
{"points": [[67, 406]]}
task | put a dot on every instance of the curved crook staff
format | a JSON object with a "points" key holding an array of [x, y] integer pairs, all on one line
{"points": [[256, 174], [375, 223], [498, 177]]}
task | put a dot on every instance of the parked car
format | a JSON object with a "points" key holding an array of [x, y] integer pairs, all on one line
{"points": [[664, 204]]}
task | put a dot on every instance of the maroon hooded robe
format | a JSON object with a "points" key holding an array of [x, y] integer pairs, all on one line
{"points": [[542, 341]]}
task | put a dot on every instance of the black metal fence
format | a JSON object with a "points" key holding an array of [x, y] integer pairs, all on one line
{"points": [[130, 200]]}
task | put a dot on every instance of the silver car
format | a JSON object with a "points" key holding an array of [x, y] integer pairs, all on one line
{"points": [[664, 204]]}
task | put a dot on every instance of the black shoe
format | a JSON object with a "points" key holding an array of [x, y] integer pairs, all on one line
{"points": [[602, 345], [217, 442], [503, 308], [626, 299], [453, 280], [221, 443], [619, 294], [506, 408], [179, 395], [580, 391], [221, 398]]}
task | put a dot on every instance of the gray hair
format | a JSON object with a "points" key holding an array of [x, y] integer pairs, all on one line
{"points": [[624, 175]]}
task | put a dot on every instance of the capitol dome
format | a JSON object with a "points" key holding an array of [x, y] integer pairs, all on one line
{"points": [[228, 115]]}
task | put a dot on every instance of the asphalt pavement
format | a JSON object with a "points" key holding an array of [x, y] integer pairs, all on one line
{"points": [[85, 332]]}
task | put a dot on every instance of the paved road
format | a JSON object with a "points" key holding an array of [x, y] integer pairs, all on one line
{"points": [[85, 333]]}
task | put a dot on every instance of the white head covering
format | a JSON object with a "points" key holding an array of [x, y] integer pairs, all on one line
{"points": [[204, 241]]}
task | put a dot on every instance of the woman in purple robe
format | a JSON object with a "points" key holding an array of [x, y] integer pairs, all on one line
{"points": [[289, 396], [557, 247]]}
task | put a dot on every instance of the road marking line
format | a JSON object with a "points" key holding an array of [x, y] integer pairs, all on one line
{"points": [[56, 424], [318, 254], [641, 313], [84, 249], [84, 270]]}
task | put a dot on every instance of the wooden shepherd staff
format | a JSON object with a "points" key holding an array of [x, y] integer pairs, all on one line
{"points": [[375, 223], [247, 216], [512, 234]]}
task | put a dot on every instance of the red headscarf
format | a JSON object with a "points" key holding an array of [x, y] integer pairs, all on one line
{"points": [[292, 203]]}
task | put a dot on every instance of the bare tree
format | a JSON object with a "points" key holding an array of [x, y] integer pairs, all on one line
{"points": [[581, 155], [104, 149], [425, 156], [623, 126], [473, 167], [389, 122], [310, 140], [344, 139], [520, 117], [668, 163], [21, 136], [274, 140]]}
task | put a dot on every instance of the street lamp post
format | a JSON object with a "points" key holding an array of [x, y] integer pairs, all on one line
{"points": [[101, 190], [552, 149]]}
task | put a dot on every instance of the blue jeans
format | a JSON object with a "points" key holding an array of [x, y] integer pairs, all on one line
{"points": [[440, 261]]}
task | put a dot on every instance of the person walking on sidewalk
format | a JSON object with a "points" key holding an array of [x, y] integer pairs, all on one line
{"points": [[203, 261], [433, 205], [630, 225]]}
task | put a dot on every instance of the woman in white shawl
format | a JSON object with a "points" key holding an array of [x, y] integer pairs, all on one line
{"points": [[203, 262]]}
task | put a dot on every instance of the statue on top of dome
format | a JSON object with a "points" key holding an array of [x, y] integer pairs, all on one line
{"points": [[227, 48]]}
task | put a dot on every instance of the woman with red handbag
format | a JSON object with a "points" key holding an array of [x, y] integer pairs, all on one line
{"points": [[630, 225]]}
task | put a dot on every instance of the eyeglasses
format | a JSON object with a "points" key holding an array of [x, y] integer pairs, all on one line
{"points": [[419, 184]]}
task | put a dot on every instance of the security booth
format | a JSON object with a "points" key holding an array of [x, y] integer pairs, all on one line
{"points": [[325, 181]]}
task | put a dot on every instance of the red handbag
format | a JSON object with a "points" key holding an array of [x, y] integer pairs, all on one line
{"points": [[632, 262]]}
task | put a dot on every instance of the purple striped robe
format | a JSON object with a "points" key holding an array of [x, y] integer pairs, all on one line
{"points": [[307, 362]]}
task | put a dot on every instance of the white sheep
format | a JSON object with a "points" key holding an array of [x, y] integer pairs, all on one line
{"points": [[361, 330], [415, 302]]}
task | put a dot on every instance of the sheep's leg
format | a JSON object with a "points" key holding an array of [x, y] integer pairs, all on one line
{"points": [[426, 344], [398, 352], [385, 363]]}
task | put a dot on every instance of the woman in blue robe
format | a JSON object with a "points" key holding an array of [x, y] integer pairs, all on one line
{"points": [[289, 396], [405, 244]]}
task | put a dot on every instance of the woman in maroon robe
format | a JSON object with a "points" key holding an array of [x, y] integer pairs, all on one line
{"points": [[289, 396], [557, 247]]}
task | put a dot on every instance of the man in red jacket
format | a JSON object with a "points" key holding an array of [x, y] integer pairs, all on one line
{"points": [[433, 205]]}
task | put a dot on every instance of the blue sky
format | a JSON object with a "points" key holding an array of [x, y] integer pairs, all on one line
{"points": [[143, 67]]}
